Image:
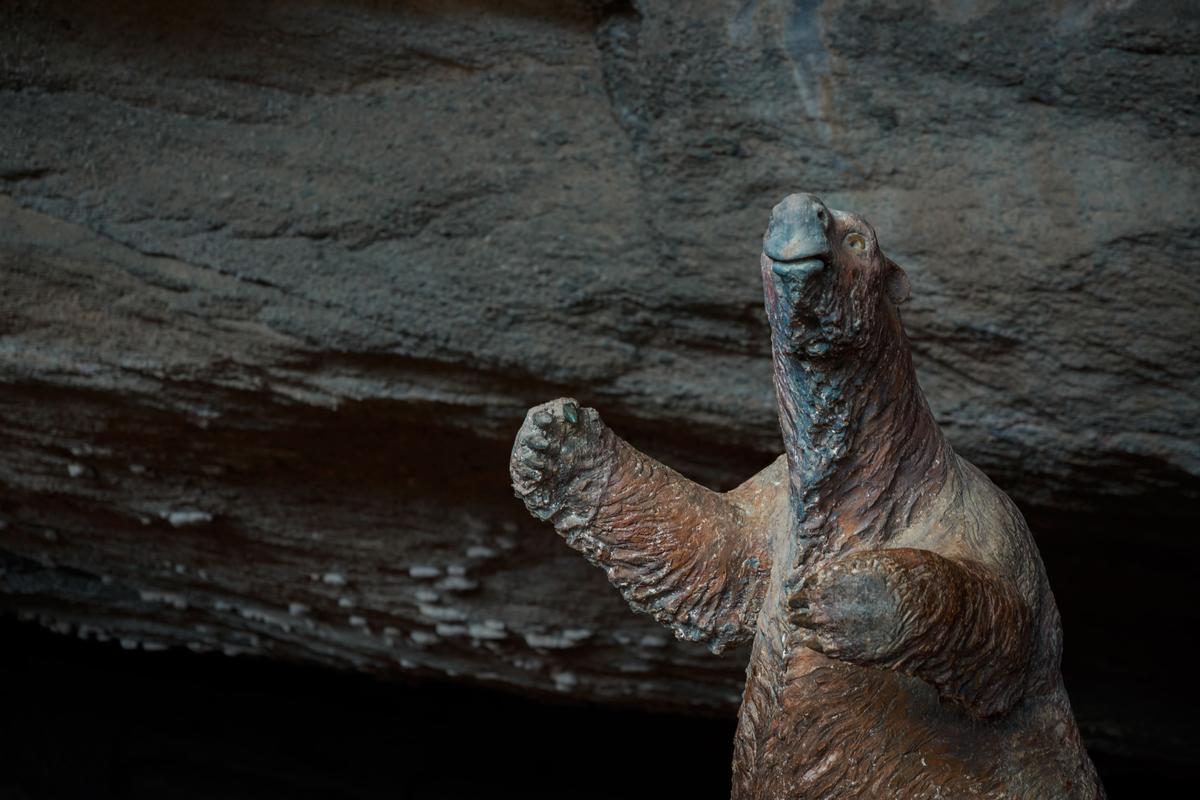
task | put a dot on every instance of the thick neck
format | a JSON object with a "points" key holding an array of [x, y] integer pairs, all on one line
{"points": [[862, 444]]}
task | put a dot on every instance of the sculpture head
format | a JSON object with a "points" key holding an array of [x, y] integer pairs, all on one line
{"points": [[827, 284]]}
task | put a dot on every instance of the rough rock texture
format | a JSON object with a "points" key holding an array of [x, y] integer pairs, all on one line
{"points": [[278, 281]]}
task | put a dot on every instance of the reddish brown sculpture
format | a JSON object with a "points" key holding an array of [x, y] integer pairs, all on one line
{"points": [[906, 641]]}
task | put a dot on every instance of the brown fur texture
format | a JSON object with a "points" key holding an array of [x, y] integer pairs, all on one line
{"points": [[906, 641]]}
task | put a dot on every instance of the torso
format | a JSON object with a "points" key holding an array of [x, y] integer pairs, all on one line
{"points": [[814, 727]]}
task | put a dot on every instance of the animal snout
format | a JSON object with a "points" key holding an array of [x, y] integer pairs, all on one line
{"points": [[797, 230]]}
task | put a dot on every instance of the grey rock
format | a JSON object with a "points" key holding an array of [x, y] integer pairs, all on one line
{"points": [[305, 267]]}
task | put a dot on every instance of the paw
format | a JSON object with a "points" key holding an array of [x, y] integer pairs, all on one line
{"points": [[851, 608], [557, 459]]}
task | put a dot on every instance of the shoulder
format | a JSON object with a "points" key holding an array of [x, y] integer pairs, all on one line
{"points": [[765, 495], [973, 519]]}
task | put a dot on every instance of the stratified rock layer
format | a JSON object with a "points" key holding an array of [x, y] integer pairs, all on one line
{"points": [[279, 280]]}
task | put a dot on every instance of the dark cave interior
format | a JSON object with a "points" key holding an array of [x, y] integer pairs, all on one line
{"points": [[90, 720]]}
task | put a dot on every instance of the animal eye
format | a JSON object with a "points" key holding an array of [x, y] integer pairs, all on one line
{"points": [[856, 242]]}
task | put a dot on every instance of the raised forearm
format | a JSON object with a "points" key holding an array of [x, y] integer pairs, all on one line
{"points": [[684, 554], [970, 632], [678, 551]]}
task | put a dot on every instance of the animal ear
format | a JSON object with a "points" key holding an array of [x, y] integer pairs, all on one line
{"points": [[896, 283]]}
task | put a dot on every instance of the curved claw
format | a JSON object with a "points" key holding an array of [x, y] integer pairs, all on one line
{"points": [[526, 481], [529, 458], [537, 442], [813, 642], [801, 612], [802, 617]]}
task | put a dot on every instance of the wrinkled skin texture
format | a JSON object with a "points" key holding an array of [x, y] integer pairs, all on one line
{"points": [[906, 641]]}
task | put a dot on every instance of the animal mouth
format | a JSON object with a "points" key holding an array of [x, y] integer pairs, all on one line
{"points": [[798, 268]]}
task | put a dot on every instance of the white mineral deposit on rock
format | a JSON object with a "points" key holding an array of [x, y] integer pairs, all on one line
{"points": [[183, 517]]}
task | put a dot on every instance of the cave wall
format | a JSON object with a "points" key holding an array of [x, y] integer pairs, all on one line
{"points": [[279, 279]]}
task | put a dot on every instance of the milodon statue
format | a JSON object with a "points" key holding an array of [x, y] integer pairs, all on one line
{"points": [[906, 643]]}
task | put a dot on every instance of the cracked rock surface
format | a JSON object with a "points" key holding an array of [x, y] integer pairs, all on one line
{"points": [[278, 281]]}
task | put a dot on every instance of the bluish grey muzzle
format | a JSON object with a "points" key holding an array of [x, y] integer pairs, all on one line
{"points": [[797, 230]]}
